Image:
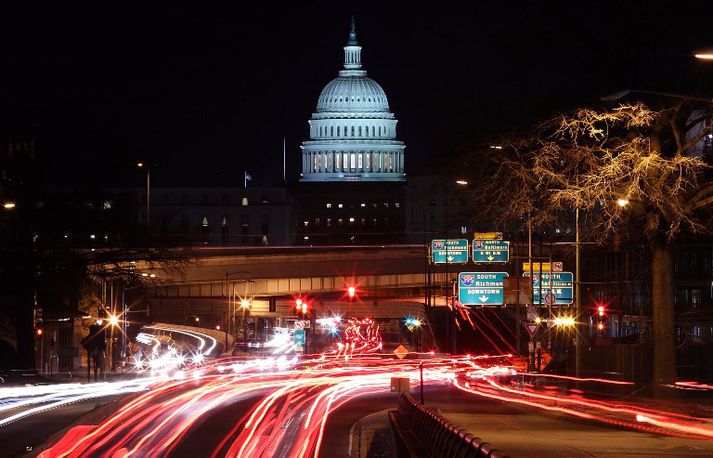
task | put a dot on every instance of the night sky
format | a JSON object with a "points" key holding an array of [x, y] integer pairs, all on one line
{"points": [[205, 94]]}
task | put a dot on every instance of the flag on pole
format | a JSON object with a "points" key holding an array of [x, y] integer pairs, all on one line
{"points": [[247, 178]]}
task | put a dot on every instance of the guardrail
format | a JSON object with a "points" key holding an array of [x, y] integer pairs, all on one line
{"points": [[420, 431]]}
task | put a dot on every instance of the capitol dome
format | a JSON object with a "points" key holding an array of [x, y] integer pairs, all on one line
{"points": [[352, 93], [352, 132]]}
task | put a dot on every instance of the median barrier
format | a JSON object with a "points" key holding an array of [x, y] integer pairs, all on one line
{"points": [[419, 431]]}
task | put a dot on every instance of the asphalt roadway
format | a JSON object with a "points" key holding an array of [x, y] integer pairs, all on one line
{"points": [[23, 437], [517, 431]]}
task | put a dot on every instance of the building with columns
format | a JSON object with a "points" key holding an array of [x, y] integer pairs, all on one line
{"points": [[352, 132]]}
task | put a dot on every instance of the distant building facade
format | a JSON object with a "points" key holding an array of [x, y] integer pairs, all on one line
{"points": [[218, 215]]}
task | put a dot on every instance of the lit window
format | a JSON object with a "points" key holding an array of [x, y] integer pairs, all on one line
{"points": [[363, 205], [386, 205], [329, 221], [340, 205], [244, 202], [359, 161], [329, 205], [351, 220], [92, 236], [205, 221], [306, 223], [397, 205], [106, 205], [317, 221], [340, 222], [224, 223]]}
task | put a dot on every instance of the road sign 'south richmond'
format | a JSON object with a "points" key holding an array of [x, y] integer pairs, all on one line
{"points": [[486, 251], [560, 283], [481, 288], [452, 251]]}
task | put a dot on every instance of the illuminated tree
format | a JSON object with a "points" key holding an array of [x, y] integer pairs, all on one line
{"points": [[629, 170]]}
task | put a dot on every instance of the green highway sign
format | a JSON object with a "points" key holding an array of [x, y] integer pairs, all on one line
{"points": [[552, 288], [300, 337], [481, 288], [486, 251], [451, 251]]}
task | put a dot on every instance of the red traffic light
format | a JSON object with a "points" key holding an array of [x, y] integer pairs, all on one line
{"points": [[304, 309], [352, 291], [600, 326], [298, 304], [601, 310], [40, 331]]}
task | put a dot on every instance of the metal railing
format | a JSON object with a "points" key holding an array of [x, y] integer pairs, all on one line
{"points": [[421, 431]]}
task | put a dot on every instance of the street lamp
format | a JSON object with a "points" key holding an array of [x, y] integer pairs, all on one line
{"points": [[707, 55], [622, 202], [9, 205]]}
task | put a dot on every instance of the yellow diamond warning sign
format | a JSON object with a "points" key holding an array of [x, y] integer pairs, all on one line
{"points": [[401, 351]]}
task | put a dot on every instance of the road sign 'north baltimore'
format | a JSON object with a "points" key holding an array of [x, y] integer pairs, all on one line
{"points": [[486, 251], [558, 285], [481, 288]]}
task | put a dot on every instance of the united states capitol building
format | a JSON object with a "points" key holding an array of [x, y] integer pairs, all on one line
{"points": [[351, 189], [352, 132]]}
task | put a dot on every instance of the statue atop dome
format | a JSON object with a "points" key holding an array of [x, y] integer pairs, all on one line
{"points": [[352, 34]]}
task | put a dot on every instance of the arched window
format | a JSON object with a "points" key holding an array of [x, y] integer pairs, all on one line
{"points": [[331, 131]]}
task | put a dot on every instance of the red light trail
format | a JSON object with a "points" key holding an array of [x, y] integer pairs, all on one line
{"points": [[294, 399]]}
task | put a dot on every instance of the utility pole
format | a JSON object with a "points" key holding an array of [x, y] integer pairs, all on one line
{"points": [[529, 268], [578, 341]]}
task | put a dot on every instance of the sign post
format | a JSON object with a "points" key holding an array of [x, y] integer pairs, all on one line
{"points": [[449, 251], [481, 288]]}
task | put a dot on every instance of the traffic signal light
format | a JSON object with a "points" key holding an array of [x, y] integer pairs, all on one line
{"points": [[305, 311], [351, 291], [39, 332], [601, 319], [301, 309]]}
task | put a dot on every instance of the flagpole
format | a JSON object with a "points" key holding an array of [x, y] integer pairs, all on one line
{"points": [[284, 161]]}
